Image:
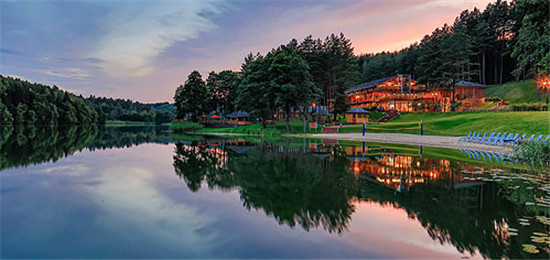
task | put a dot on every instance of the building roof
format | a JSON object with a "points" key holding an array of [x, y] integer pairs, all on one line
{"points": [[370, 84], [357, 110], [469, 84], [238, 114]]}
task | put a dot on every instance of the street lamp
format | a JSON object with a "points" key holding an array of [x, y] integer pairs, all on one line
{"points": [[543, 83]]}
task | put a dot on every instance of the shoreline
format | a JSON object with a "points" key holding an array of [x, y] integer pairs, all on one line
{"points": [[439, 141], [411, 139]]}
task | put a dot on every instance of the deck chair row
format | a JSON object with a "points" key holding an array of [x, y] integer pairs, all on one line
{"points": [[499, 138]]}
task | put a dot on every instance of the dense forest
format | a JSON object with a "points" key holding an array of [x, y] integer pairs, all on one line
{"points": [[25, 103], [504, 42], [128, 110], [22, 102]]}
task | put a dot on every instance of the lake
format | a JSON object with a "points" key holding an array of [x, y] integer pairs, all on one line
{"points": [[141, 192]]}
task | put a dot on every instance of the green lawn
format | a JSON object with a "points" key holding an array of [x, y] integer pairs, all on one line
{"points": [[516, 92], [456, 124], [296, 126]]}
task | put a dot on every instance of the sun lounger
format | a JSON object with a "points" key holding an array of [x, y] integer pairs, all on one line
{"points": [[479, 137], [508, 138], [546, 139], [465, 137], [498, 139], [486, 138], [476, 134], [489, 140], [538, 138]]}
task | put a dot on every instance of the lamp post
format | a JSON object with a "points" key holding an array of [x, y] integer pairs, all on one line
{"points": [[543, 83]]}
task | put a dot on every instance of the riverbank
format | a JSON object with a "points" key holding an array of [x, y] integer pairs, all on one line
{"points": [[411, 139]]}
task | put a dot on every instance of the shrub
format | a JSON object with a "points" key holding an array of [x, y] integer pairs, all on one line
{"points": [[535, 153], [183, 126], [494, 99], [530, 107]]}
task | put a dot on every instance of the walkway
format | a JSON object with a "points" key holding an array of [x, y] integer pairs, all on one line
{"points": [[426, 140]]}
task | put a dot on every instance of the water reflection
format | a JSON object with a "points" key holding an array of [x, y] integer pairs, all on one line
{"points": [[27, 145], [318, 185]]}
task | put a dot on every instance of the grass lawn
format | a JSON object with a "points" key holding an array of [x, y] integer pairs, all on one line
{"points": [[516, 92], [296, 126], [456, 124]]}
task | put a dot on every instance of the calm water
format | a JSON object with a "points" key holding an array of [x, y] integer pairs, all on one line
{"points": [[141, 193]]}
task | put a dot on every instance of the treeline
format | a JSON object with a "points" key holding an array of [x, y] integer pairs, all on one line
{"points": [[128, 110], [504, 42], [25, 103], [22, 102], [286, 80], [30, 145]]}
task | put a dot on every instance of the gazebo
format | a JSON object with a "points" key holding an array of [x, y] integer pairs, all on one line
{"points": [[238, 118], [357, 115]]}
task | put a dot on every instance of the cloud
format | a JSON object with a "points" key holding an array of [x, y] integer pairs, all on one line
{"points": [[137, 33]]}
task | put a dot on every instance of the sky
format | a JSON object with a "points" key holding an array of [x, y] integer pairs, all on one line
{"points": [[143, 50]]}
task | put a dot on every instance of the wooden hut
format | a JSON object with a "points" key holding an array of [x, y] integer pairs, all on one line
{"points": [[238, 118], [357, 115]]}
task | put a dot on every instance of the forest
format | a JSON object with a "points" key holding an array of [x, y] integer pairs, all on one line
{"points": [[25, 103], [504, 42]]}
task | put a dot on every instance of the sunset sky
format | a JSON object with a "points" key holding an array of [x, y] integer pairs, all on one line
{"points": [[143, 50]]}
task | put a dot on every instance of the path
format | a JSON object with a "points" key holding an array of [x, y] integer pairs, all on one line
{"points": [[426, 140]]}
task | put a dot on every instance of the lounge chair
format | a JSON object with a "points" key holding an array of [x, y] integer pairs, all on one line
{"points": [[493, 138], [546, 139], [498, 139], [476, 134], [465, 137], [478, 138], [486, 138], [538, 138], [508, 138]]}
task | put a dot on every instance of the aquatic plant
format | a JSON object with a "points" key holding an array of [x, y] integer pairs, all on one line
{"points": [[534, 153]]}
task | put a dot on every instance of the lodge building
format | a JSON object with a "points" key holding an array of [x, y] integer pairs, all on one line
{"points": [[402, 93]]}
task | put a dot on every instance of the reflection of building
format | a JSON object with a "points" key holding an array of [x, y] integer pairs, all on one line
{"points": [[404, 169], [402, 93]]}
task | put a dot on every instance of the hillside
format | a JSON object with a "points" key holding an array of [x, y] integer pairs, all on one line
{"points": [[515, 92]]}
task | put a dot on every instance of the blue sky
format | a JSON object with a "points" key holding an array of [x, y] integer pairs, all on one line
{"points": [[143, 50]]}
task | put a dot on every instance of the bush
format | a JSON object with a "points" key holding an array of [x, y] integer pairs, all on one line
{"points": [[530, 107], [535, 153], [183, 126], [494, 99]]}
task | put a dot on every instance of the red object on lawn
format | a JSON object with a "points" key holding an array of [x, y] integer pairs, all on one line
{"points": [[215, 116], [204, 116]]}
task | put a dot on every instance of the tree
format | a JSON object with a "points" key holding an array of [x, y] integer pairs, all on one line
{"points": [[254, 93], [530, 45], [192, 98], [223, 90], [289, 75]]}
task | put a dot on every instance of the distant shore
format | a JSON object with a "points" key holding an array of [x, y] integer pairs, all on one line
{"points": [[426, 140]]}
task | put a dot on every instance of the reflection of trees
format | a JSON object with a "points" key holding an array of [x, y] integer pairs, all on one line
{"points": [[470, 218], [295, 188], [312, 190], [22, 146], [118, 137]]}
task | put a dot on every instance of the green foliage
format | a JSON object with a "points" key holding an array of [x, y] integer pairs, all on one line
{"points": [[192, 97], [185, 126], [529, 107], [24, 103], [535, 153], [515, 92], [530, 46], [223, 90], [110, 109]]}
